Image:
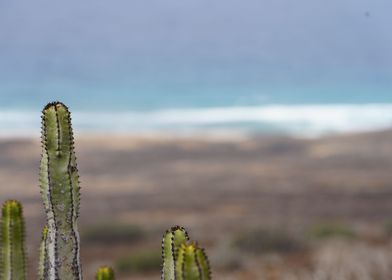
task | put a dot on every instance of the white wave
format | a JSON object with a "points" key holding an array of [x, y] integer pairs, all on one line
{"points": [[299, 120]]}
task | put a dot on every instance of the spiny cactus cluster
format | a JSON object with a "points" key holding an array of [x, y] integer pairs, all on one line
{"points": [[60, 244], [183, 260]]}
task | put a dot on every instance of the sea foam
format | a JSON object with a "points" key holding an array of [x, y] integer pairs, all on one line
{"points": [[298, 120]]}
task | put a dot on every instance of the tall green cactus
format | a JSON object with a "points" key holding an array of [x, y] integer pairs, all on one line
{"points": [[13, 256], [59, 182], [183, 260]]}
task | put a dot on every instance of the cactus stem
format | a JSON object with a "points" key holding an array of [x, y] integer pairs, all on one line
{"points": [[59, 182], [13, 256]]}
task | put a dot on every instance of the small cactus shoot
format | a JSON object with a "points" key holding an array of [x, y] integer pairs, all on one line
{"points": [[13, 256], [105, 273]]}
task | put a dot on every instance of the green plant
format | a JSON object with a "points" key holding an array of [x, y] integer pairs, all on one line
{"points": [[110, 233], [183, 260], [13, 257], [60, 243], [331, 230], [105, 273], [260, 241], [59, 181]]}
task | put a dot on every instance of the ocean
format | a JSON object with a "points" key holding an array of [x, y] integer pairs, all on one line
{"points": [[198, 114]]}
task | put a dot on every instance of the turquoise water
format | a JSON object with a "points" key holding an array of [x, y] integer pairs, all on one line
{"points": [[218, 114], [178, 109], [108, 98]]}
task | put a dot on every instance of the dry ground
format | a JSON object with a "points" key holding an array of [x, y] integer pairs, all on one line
{"points": [[218, 189]]}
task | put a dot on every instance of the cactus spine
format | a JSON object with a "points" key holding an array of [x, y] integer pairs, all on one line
{"points": [[183, 260], [13, 257], [59, 183], [105, 273]]}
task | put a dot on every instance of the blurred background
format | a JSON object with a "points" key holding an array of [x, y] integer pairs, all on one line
{"points": [[263, 127]]}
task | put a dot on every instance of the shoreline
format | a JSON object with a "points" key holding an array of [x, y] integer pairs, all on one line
{"points": [[209, 136], [295, 120]]}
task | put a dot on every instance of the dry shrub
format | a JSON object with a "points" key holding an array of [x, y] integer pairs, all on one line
{"points": [[261, 241], [338, 260]]}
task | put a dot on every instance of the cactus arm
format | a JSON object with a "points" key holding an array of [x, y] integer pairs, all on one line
{"points": [[168, 257], [13, 256], [43, 255], [187, 266], [105, 273], [179, 265], [60, 193], [203, 263], [172, 240], [179, 237]]}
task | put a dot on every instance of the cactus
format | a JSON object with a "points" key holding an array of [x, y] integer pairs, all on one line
{"points": [[105, 273], [172, 240], [183, 260], [13, 257], [59, 182], [60, 246]]}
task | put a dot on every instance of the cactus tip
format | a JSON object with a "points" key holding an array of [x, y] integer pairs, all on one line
{"points": [[105, 273], [12, 207], [54, 104]]}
